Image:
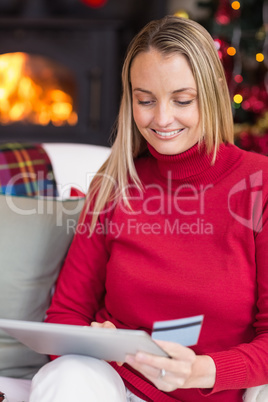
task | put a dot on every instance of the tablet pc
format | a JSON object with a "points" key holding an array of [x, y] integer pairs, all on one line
{"points": [[60, 339]]}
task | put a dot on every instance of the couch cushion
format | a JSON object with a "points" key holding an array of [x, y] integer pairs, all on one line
{"points": [[34, 238], [75, 165], [25, 169]]}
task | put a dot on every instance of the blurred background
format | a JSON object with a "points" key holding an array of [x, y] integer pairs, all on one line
{"points": [[60, 64]]}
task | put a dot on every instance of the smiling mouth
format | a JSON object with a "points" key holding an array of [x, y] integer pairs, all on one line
{"points": [[169, 133]]}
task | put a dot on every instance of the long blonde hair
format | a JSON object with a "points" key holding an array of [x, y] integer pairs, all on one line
{"points": [[169, 35]]}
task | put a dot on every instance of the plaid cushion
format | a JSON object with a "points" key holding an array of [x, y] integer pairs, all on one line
{"points": [[25, 169]]}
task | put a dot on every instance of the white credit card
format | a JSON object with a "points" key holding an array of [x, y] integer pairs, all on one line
{"points": [[184, 330]]}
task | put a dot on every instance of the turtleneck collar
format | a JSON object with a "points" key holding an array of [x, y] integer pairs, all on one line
{"points": [[194, 166]]}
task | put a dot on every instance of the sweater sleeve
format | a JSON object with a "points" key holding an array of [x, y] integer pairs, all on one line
{"points": [[246, 365], [80, 288]]}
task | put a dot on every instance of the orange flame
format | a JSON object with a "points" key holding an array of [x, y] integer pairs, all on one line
{"points": [[23, 97]]}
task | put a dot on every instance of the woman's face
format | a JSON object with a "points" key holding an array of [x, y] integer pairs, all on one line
{"points": [[165, 101]]}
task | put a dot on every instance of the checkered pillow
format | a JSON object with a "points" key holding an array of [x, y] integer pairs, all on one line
{"points": [[26, 170]]}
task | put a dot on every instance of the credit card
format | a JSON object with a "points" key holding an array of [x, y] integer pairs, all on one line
{"points": [[185, 331]]}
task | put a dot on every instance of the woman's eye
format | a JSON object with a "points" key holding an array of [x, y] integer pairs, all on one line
{"points": [[151, 102], [183, 103], [145, 103]]}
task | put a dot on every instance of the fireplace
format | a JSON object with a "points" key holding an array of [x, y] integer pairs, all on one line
{"points": [[60, 64], [58, 79], [36, 90]]}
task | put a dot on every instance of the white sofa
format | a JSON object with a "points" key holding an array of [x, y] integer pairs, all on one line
{"points": [[74, 165]]}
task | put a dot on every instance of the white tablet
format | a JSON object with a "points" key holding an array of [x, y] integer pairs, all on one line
{"points": [[59, 339]]}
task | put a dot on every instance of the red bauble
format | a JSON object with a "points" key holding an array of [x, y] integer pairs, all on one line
{"points": [[94, 3]]}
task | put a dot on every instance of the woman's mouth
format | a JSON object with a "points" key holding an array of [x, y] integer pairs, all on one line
{"points": [[168, 134]]}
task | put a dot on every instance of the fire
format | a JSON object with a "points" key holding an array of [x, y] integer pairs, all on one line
{"points": [[31, 91]]}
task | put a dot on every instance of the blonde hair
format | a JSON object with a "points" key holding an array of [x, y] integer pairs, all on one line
{"points": [[169, 35]]}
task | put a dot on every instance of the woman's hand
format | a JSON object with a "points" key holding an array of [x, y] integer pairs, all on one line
{"points": [[184, 369], [105, 324]]}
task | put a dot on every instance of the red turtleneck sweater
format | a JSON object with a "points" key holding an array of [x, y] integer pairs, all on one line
{"points": [[195, 242]]}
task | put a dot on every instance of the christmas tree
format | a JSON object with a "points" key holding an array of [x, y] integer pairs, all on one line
{"points": [[240, 32]]}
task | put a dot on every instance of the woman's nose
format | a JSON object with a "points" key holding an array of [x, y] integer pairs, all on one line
{"points": [[163, 116]]}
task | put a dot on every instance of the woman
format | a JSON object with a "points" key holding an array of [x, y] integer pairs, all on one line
{"points": [[177, 220]]}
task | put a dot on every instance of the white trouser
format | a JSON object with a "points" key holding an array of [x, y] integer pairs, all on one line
{"points": [[74, 378]]}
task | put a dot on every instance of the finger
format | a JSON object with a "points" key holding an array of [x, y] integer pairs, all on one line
{"points": [[153, 375], [105, 324], [108, 324], [177, 351], [177, 371], [95, 324], [148, 370]]}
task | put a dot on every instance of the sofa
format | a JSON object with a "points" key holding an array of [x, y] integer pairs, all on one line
{"points": [[35, 234]]}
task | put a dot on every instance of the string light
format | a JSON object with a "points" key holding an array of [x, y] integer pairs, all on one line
{"points": [[217, 44], [238, 78], [246, 105], [259, 57], [238, 98], [235, 5], [231, 51], [236, 105], [181, 14]]}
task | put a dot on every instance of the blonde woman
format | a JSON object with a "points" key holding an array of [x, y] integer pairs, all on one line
{"points": [[177, 227]]}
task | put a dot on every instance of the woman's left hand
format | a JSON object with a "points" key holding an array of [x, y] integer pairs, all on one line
{"points": [[184, 369]]}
